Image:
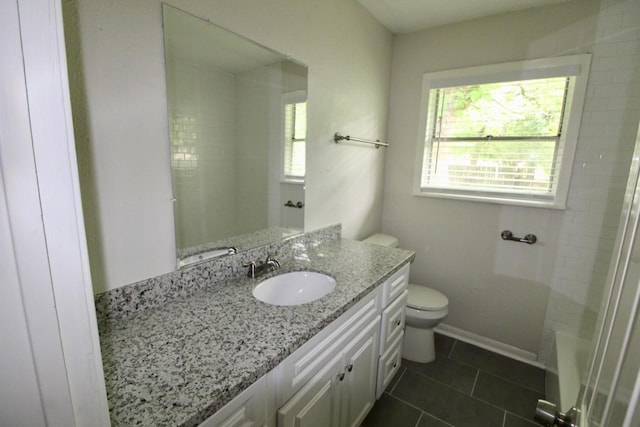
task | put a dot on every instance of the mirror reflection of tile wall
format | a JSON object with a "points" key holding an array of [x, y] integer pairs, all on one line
{"points": [[226, 122]]}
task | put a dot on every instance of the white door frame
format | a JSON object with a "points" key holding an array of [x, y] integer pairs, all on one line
{"points": [[47, 295]]}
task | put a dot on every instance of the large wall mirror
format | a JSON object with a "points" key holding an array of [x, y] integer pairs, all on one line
{"points": [[237, 123]]}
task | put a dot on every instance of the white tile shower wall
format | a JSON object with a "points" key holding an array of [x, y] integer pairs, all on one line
{"points": [[607, 134], [198, 92]]}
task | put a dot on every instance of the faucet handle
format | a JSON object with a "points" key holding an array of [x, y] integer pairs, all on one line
{"points": [[272, 260], [252, 269]]}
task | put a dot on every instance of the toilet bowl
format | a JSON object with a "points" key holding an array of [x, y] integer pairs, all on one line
{"points": [[425, 308]]}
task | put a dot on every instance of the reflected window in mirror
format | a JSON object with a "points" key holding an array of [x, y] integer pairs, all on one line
{"points": [[295, 136]]}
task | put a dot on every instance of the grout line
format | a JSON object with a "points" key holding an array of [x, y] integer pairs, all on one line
{"points": [[398, 381], [405, 402], [504, 419], [452, 347], [440, 419], [491, 373], [419, 418], [422, 412], [436, 380], [529, 420], [475, 381], [519, 384], [433, 416]]}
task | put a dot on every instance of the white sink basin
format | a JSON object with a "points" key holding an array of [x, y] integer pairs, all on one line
{"points": [[298, 287]]}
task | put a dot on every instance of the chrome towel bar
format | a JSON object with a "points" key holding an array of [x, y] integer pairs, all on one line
{"points": [[529, 239], [337, 138]]}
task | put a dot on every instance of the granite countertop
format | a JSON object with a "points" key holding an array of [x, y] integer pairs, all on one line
{"points": [[177, 364]]}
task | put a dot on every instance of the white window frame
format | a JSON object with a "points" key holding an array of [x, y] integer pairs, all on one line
{"points": [[573, 65], [289, 98]]}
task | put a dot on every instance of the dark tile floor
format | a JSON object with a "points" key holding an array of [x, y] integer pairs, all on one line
{"points": [[465, 386]]}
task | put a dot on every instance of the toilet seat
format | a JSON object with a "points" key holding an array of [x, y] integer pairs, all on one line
{"points": [[427, 299]]}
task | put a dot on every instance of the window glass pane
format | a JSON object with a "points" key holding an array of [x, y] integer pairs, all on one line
{"points": [[520, 108], [300, 128], [488, 165], [295, 133], [498, 137], [297, 165]]}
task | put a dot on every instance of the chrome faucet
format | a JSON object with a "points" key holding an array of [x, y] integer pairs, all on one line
{"points": [[269, 265]]}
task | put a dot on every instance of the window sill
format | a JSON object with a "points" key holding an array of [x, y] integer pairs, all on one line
{"points": [[494, 199], [292, 181]]}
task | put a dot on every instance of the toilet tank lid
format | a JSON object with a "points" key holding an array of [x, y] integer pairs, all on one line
{"points": [[424, 298], [383, 240]]}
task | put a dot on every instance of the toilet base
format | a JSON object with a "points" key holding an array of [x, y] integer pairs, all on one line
{"points": [[418, 345]]}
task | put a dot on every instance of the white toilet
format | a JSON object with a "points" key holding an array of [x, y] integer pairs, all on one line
{"points": [[425, 309]]}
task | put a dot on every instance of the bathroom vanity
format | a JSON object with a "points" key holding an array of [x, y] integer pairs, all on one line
{"points": [[337, 375], [217, 356]]}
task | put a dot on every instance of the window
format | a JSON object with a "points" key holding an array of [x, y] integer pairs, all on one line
{"points": [[295, 136], [504, 133]]}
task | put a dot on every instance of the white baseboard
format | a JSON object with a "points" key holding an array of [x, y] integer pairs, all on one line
{"points": [[490, 344]]}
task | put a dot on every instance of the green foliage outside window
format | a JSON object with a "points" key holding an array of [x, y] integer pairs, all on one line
{"points": [[497, 136]]}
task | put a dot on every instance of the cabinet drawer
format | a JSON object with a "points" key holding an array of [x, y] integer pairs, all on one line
{"points": [[303, 363], [395, 285], [393, 322], [389, 364]]}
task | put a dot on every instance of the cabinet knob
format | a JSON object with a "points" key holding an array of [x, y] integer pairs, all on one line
{"points": [[395, 364], [350, 367], [398, 322], [341, 376]]}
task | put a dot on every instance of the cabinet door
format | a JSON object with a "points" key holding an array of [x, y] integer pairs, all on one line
{"points": [[359, 385], [246, 410], [317, 404]]}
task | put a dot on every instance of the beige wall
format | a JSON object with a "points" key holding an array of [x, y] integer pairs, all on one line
{"points": [[514, 294], [496, 289], [116, 67]]}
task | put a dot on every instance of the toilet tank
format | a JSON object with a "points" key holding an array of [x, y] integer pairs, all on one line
{"points": [[383, 240]]}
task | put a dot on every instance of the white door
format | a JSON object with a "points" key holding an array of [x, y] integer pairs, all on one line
{"points": [[50, 365], [612, 385]]}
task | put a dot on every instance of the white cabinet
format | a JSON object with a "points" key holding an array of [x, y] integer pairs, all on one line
{"points": [[334, 379], [392, 327], [395, 285], [317, 404], [389, 365], [359, 390], [343, 392], [248, 409], [299, 367]]}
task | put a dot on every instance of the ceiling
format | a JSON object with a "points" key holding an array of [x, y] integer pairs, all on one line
{"points": [[405, 16]]}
